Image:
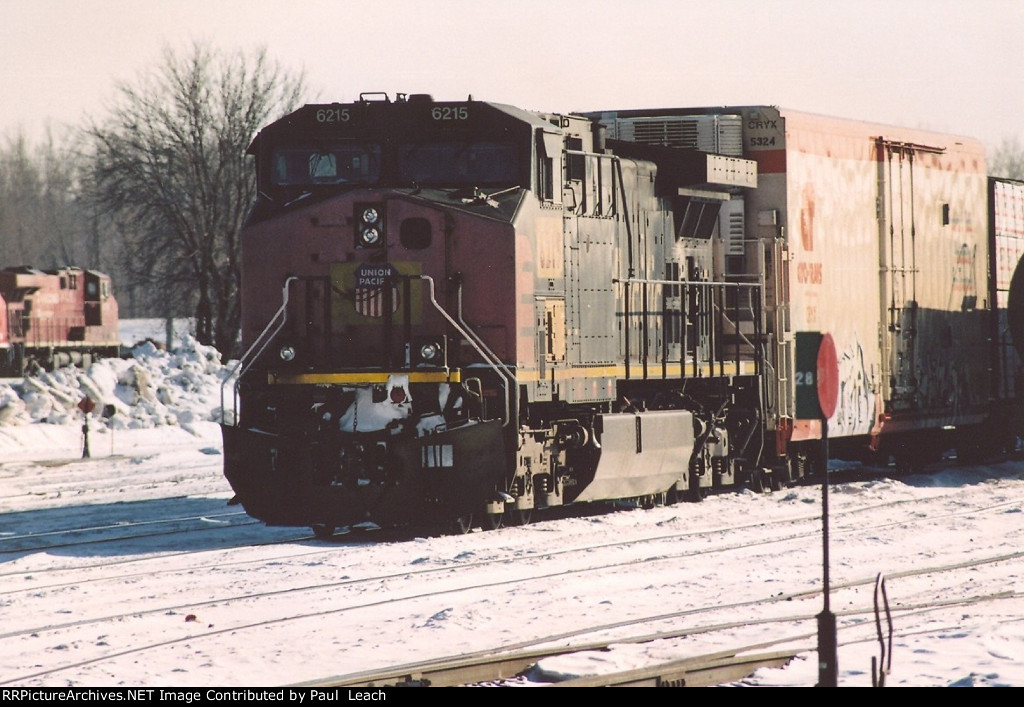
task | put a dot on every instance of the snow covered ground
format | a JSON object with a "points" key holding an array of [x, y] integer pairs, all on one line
{"points": [[227, 608]]}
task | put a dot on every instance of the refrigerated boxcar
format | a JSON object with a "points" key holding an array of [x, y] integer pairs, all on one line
{"points": [[875, 234]]}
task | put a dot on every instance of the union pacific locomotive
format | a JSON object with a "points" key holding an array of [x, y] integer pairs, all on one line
{"points": [[459, 312], [54, 318]]}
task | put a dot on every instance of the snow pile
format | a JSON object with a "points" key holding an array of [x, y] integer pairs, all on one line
{"points": [[153, 388]]}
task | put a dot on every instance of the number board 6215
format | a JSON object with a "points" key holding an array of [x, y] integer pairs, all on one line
{"points": [[449, 113], [333, 115]]}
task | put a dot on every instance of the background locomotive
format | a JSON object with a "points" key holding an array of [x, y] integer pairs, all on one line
{"points": [[53, 318], [463, 311]]}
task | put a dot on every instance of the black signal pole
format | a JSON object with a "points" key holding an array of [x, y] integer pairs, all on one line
{"points": [[85, 434], [816, 396], [828, 650], [86, 405]]}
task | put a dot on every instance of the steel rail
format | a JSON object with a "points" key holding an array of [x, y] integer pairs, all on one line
{"points": [[711, 669], [703, 671]]}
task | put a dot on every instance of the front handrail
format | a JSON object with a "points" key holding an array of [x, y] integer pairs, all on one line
{"points": [[508, 379], [512, 401], [251, 354]]}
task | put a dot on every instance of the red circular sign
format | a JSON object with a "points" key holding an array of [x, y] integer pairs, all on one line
{"points": [[828, 376]]}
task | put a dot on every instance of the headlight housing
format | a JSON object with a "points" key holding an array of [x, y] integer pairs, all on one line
{"points": [[369, 220]]}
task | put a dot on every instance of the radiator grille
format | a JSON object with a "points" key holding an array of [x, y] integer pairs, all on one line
{"points": [[719, 134]]}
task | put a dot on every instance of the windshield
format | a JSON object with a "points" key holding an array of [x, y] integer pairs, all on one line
{"points": [[339, 164], [458, 163]]}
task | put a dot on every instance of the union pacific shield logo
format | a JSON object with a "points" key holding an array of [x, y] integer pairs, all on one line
{"points": [[369, 296], [358, 294]]}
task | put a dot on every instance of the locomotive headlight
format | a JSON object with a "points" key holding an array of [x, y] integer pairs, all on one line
{"points": [[287, 353], [370, 215], [429, 352], [370, 236]]}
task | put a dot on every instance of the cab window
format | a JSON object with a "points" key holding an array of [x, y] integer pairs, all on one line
{"points": [[340, 164], [458, 163]]}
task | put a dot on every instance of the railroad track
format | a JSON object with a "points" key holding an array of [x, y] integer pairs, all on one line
{"points": [[240, 597], [643, 560], [717, 668], [714, 668], [120, 532]]}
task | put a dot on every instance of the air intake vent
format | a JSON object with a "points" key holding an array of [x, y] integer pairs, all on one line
{"points": [[731, 220], [656, 131]]}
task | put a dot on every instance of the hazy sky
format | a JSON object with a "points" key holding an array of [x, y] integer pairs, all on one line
{"points": [[954, 66]]}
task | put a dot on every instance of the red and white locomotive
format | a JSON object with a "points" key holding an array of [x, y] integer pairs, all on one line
{"points": [[53, 318], [463, 311]]}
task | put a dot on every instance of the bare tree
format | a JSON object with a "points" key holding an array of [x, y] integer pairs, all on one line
{"points": [[40, 217], [20, 210], [168, 167], [1007, 160]]}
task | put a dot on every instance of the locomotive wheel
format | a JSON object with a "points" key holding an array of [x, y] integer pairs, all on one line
{"points": [[322, 531], [462, 525], [493, 521], [758, 482], [520, 516], [778, 480], [696, 493], [905, 464]]}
